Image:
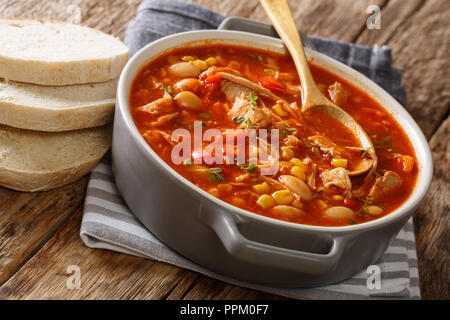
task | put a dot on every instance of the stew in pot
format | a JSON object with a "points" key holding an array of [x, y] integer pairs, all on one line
{"points": [[237, 90]]}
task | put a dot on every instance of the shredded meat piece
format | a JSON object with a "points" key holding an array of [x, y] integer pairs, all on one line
{"points": [[339, 178], [337, 94], [158, 107], [253, 116], [385, 185]]}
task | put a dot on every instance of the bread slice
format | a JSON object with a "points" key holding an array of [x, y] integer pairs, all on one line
{"points": [[58, 53], [36, 161], [56, 108]]}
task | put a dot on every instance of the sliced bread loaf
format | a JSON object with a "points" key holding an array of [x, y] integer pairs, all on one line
{"points": [[58, 53], [56, 108], [36, 161]]}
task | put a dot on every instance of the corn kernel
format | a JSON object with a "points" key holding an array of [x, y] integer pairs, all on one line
{"points": [[187, 58], [299, 163], [172, 59], [202, 65], [211, 61], [234, 64], [279, 110], [283, 196], [261, 188], [238, 201], [225, 187], [287, 153], [297, 203], [298, 172], [342, 163], [321, 204], [265, 201], [338, 197]]}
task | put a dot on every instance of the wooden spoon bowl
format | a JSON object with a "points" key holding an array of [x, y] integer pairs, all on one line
{"points": [[283, 22]]}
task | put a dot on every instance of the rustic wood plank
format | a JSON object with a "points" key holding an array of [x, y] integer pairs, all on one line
{"points": [[326, 18], [419, 34], [27, 220], [104, 274], [110, 16], [432, 222], [206, 288]]}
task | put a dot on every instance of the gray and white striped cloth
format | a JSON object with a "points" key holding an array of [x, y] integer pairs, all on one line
{"points": [[109, 224]]}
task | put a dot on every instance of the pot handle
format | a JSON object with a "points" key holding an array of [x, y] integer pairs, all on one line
{"points": [[267, 255]]}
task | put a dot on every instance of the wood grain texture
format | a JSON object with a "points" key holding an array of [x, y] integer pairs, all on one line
{"points": [[324, 18], [432, 222], [420, 39], [40, 232], [27, 220], [110, 16], [419, 33], [105, 274]]}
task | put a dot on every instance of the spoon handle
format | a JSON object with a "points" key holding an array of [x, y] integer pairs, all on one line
{"points": [[283, 22]]}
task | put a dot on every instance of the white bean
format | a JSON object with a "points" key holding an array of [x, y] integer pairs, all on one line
{"points": [[339, 212], [189, 84], [287, 211], [296, 185], [184, 70], [374, 210], [188, 101]]}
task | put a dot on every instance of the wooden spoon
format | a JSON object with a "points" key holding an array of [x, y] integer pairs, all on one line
{"points": [[281, 17]]}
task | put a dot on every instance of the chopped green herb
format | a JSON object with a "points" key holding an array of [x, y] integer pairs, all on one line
{"points": [[188, 163], [252, 99], [238, 119], [251, 168], [315, 150], [351, 221], [216, 175], [205, 115], [260, 58], [179, 124], [248, 121], [204, 124], [383, 141], [166, 88]]}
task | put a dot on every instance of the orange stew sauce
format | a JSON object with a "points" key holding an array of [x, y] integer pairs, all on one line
{"points": [[312, 185]]}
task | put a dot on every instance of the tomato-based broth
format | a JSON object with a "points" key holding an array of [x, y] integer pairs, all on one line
{"points": [[238, 90]]}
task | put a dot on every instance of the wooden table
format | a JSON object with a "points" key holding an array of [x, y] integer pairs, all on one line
{"points": [[39, 232]]}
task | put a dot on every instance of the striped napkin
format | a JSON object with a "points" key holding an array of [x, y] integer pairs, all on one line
{"points": [[109, 224]]}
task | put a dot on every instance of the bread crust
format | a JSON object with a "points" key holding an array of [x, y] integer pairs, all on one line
{"points": [[63, 72]]}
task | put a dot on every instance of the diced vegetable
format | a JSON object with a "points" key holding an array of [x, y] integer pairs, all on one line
{"points": [[261, 188], [405, 163], [279, 110], [211, 61], [298, 172], [339, 163], [274, 85], [287, 153], [266, 201], [283, 196]]}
